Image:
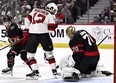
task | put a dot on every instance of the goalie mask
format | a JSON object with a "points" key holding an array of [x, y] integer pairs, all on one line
{"points": [[52, 8], [70, 32]]}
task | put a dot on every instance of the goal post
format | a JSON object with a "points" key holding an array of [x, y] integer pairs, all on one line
{"points": [[115, 53]]}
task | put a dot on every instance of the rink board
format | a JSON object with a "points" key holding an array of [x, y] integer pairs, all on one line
{"points": [[60, 39]]}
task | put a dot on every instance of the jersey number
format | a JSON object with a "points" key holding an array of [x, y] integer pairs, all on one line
{"points": [[89, 39], [38, 18]]}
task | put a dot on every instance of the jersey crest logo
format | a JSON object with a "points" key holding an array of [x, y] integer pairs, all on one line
{"points": [[12, 27], [97, 33]]}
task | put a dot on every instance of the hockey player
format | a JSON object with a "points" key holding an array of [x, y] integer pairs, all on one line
{"points": [[40, 22], [17, 37], [85, 56]]}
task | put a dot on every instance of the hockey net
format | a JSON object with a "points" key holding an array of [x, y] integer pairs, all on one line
{"points": [[115, 53]]}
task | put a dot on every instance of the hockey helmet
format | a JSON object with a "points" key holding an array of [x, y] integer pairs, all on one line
{"points": [[7, 21], [70, 32], [52, 8], [7, 18]]}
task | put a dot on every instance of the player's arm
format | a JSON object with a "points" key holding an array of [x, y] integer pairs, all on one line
{"points": [[23, 36], [28, 20], [52, 24], [87, 37]]}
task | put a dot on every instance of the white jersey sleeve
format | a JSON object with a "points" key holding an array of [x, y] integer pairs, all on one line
{"points": [[38, 21], [27, 23], [28, 19]]}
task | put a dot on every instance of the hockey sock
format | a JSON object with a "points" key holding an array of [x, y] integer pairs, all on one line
{"points": [[10, 59], [32, 63], [52, 63]]}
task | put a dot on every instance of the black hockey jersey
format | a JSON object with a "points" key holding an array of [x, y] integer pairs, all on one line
{"points": [[83, 44], [15, 33]]}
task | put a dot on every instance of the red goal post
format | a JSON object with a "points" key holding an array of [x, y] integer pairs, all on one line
{"points": [[115, 53]]}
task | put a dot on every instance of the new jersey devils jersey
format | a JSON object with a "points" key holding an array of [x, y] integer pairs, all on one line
{"points": [[40, 21], [83, 44]]}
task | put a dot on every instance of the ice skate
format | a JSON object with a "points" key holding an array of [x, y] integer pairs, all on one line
{"points": [[33, 76], [46, 61], [7, 71], [54, 71]]}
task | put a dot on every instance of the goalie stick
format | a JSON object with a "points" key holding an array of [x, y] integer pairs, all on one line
{"points": [[102, 40]]}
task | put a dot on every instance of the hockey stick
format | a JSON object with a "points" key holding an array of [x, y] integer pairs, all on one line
{"points": [[11, 44], [5, 47], [102, 40], [2, 41]]}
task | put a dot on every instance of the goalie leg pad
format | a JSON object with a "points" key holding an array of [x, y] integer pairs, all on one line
{"points": [[74, 78], [68, 71], [10, 59], [99, 73]]}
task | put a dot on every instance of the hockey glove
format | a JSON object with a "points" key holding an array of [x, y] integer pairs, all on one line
{"points": [[107, 73]]}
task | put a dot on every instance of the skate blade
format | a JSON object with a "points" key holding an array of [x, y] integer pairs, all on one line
{"points": [[8, 73], [46, 62], [70, 80], [33, 78]]}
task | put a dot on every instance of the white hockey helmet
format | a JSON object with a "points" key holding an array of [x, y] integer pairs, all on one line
{"points": [[52, 8]]}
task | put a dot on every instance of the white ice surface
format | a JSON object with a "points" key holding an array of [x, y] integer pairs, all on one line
{"points": [[20, 69]]}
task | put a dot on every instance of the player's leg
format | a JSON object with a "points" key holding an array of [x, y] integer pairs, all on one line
{"points": [[87, 64], [10, 58], [51, 60], [31, 47], [24, 57], [97, 72], [48, 47], [10, 63]]}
